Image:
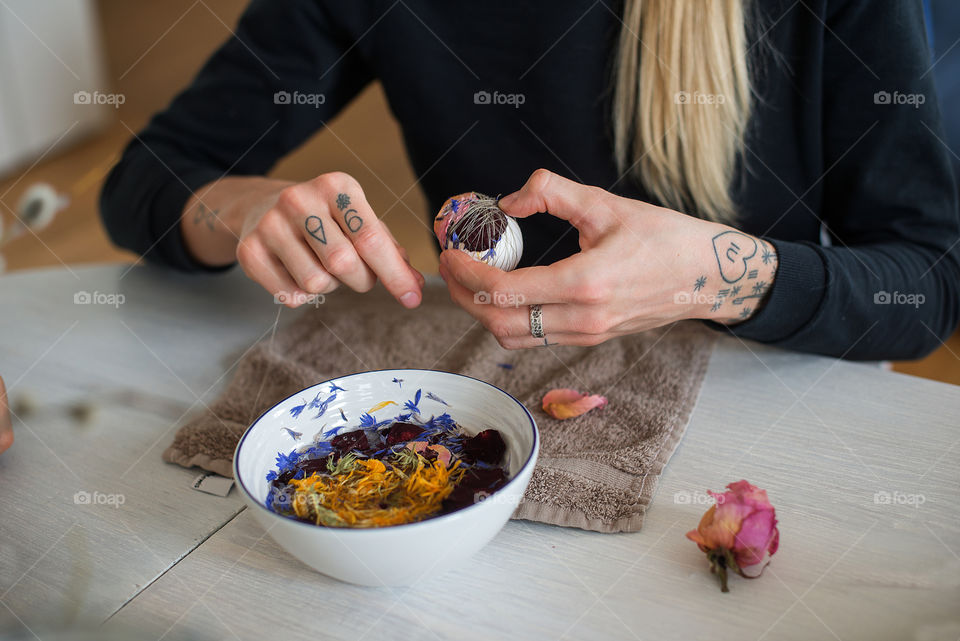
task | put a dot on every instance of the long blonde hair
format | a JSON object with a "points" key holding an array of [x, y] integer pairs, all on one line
{"points": [[682, 101]]}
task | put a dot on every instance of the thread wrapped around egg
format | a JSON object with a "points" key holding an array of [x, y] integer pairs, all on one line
{"points": [[475, 224]]}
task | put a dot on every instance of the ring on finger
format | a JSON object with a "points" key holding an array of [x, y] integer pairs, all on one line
{"points": [[536, 321]]}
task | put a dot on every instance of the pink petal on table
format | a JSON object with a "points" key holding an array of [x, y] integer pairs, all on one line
{"points": [[568, 403]]}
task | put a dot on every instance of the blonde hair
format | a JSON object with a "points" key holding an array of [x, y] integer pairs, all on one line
{"points": [[682, 101]]}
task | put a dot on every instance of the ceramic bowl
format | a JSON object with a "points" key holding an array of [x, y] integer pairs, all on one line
{"points": [[399, 554]]}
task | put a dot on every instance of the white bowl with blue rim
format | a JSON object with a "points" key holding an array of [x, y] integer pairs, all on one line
{"points": [[399, 554]]}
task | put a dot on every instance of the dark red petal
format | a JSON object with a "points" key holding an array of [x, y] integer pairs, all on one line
{"points": [[356, 440], [475, 486], [312, 466], [400, 432], [487, 446]]}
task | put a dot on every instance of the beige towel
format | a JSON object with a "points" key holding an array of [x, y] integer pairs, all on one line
{"points": [[596, 472]]}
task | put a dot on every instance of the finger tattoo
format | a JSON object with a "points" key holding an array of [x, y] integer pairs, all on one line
{"points": [[350, 216], [314, 227]]}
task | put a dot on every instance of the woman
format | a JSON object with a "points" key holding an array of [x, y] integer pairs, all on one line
{"points": [[700, 151]]}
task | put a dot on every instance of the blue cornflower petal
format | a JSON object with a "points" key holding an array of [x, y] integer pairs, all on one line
{"points": [[333, 431], [297, 410], [434, 397]]}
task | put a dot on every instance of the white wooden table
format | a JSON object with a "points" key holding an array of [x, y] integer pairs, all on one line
{"points": [[831, 442]]}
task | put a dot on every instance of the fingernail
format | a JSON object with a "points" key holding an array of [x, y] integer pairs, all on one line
{"points": [[507, 200], [410, 299]]}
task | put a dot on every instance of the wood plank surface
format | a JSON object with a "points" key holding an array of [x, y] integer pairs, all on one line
{"points": [[825, 438]]}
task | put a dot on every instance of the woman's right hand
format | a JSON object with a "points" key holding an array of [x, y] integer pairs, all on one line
{"points": [[298, 240]]}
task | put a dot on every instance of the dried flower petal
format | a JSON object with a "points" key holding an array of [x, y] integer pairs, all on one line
{"points": [[568, 403], [487, 447], [400, 432], [431, 452], [355, 440]]}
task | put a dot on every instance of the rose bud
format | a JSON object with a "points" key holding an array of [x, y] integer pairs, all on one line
{"points": [[739, 532]]}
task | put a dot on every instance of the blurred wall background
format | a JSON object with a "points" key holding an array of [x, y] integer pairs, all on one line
{"points": [[148, 51]]}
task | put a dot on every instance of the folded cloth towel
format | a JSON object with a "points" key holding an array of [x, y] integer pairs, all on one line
{"points": [[597, 471]]}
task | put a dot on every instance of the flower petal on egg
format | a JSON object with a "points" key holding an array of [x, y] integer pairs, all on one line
{"points": [[568, 403]]}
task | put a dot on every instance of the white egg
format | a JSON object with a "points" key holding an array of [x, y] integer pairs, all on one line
{"points": [[505, 254]]}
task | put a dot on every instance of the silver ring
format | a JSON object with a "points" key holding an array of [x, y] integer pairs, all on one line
{"points": [[536, 321]]}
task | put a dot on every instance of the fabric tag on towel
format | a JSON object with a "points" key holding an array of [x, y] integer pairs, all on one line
{"points": [[213, 484]]}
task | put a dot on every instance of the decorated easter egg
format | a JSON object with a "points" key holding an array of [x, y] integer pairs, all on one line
{"points": [[475, 224]]}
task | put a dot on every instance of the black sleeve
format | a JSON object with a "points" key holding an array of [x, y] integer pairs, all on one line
{"points": [[888, 286], [284, 72]]}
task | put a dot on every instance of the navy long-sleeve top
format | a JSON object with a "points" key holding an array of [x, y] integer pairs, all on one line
{"points": [[845, 140]]}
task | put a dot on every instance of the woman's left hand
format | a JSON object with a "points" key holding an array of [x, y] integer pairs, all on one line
{"points": [[640, 267]]}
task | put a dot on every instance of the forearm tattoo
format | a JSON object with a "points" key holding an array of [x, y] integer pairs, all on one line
{"points": [[746, 269], [351, 218], [205, 216]]}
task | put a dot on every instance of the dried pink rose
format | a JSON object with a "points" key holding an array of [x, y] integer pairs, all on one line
{"points": [[739, 532], [568, 403]]}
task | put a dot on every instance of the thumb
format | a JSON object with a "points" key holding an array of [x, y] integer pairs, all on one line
{"points": [[582, 206]]}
